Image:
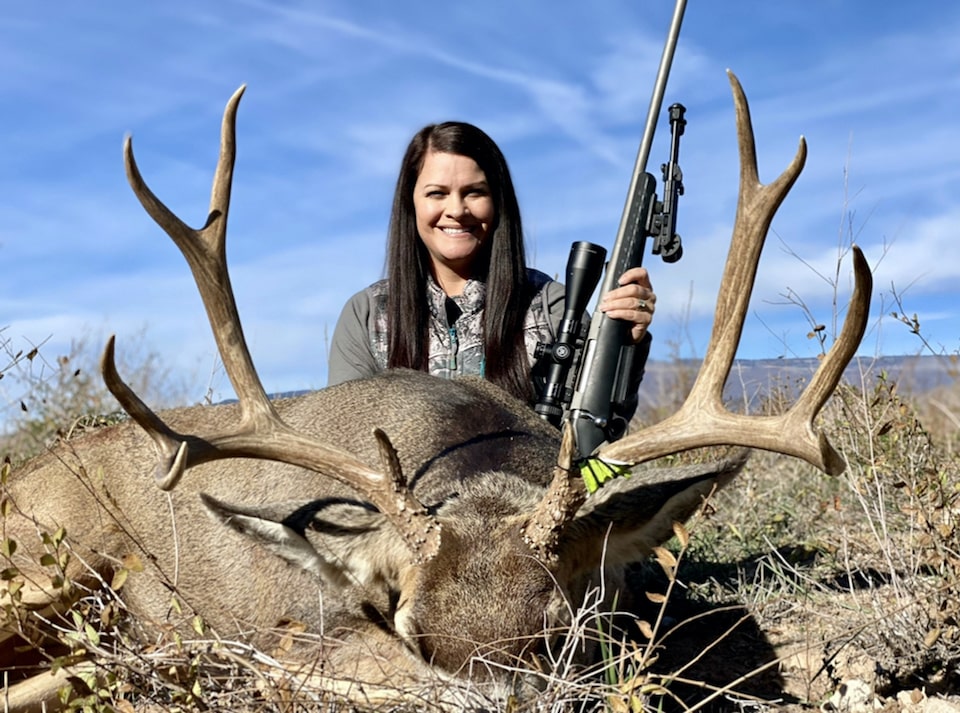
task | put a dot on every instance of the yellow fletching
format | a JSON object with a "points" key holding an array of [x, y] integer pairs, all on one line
{"points": [[596, 472]]}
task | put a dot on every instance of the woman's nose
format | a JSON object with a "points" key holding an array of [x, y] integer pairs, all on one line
{"points": [[457, 207]]}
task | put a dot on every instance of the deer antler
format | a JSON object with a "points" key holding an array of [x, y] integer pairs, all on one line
{"points": [[703, 420], [559, 506], [261, 433]]}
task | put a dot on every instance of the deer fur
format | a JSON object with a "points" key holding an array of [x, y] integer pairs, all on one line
{"points": [[250, 545]]}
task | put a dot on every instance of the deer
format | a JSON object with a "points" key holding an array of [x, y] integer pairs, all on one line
{"points": [[418, 528]]}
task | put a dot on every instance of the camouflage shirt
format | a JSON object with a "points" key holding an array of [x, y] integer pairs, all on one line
{"points": [[360, 342]]}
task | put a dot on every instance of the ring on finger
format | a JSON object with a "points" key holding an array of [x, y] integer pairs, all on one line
{"points": [[642, 305]]}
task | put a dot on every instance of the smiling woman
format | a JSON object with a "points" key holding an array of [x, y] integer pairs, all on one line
{"points": [[454, 214], [459, 298]]}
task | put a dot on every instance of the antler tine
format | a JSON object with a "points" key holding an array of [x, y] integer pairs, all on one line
{"points": [[170, 445], [205, 252], [827, 377], [703, 420], [261, 432], [756, 206], [558, 507]]}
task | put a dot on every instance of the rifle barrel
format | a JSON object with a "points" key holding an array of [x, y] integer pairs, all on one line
{"points": [[650, 128]]}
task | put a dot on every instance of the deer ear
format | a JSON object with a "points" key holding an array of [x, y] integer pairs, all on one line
{"points": [[342, 542], [624, 520]]}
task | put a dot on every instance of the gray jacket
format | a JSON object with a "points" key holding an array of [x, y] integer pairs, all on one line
{"points": [[360, 339]]}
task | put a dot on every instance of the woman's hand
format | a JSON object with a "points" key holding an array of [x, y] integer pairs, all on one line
{"points": [[634, 301]]}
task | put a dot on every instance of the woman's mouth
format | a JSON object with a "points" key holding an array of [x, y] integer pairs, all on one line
{"points": [[457, 231]]}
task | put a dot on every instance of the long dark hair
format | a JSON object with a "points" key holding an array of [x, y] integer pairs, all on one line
{"points": [[501, 262]]}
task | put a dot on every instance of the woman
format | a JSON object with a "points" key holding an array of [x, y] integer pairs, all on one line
{"points": [[459, 298]]}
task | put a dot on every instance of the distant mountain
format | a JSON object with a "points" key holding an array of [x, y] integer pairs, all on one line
{"points": [[756, 377]]}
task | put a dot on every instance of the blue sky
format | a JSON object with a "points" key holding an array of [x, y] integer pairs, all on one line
{"points": [[336, 89]]}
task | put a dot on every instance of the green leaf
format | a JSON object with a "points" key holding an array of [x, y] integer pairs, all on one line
{"points": [[93, 636], [8, 547]]}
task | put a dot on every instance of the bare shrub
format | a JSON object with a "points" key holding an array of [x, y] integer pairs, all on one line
{"points": [[62, 396], [907, 556]]}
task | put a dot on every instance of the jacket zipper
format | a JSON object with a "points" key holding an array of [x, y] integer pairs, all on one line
{"points": [[454, 347]]}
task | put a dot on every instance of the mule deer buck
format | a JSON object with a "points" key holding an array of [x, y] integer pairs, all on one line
{"points": [[417, 527]]}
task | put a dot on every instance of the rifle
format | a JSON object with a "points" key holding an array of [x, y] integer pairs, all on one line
{"points": [[608, 359]]}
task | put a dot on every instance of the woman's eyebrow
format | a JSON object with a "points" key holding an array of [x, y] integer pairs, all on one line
{"points": [[475, 184]]}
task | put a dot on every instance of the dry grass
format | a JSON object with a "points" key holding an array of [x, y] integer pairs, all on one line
{"points": [[836, 579]]}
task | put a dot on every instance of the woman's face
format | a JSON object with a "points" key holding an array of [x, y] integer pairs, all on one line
{"points": [[454, 211]]}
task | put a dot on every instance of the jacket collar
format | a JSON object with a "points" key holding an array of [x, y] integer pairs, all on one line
{"points": [[470, 301]]}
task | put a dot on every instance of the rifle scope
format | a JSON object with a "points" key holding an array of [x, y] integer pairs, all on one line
{"points": [[584, 267]]}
